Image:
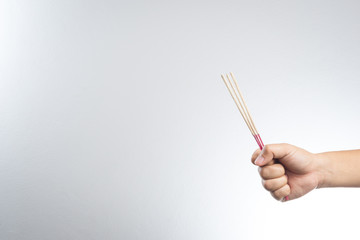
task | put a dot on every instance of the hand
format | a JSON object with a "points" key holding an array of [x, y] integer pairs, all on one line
{"points": [[287, 170]]}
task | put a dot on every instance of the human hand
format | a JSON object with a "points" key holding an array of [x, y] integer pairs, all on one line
{"points": [[287, 170]]}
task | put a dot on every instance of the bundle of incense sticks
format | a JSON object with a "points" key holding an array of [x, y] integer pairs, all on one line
{"points": [[238, 98]]}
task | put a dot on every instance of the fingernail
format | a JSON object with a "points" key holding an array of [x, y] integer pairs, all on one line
{"points": [[259, 160]]}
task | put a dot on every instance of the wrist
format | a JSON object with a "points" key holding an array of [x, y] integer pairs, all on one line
{"points": [[324, 170]]}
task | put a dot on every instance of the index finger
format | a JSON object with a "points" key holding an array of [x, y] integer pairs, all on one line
{"points": [[271, 152]]}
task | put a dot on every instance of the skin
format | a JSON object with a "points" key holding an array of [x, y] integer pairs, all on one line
{"points": [[289, 171]]}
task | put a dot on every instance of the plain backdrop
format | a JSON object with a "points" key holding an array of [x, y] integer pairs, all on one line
{"points": [[115, 124]]}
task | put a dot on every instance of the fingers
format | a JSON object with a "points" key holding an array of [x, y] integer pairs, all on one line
{"points": [[275, 180], [281, 193], [275, 184], [272, 171], [271, 152], [273, 174]]}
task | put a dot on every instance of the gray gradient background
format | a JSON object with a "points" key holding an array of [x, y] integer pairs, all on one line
{"points": [[114, 122]]}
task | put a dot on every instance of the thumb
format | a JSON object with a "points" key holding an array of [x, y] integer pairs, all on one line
{"points": [[271, 152]]}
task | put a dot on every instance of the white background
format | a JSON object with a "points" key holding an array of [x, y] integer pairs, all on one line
{"points": [[115, 124]]}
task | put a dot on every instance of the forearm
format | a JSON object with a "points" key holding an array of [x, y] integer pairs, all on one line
{"points": [[339, 169]]}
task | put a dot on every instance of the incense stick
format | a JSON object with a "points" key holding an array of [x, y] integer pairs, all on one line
{"points": [[234, 90], [243, 109]]}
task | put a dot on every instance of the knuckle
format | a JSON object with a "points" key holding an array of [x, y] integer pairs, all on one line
{"points": [[282, 192], [285, 179], [274, 195], [269, 172], [268, 147], [287, 190], [281, 169], [288, 145], [264, 172], [278, 195], [267, 185]]}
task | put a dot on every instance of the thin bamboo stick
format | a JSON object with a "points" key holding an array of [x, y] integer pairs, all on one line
{"points": [[238, 98]]}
